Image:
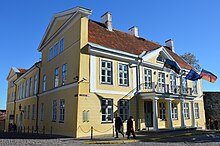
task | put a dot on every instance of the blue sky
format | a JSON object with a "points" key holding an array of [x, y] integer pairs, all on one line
{"points": [[193, 25]]}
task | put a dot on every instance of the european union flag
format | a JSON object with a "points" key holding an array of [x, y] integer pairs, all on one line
{"points": [[172, 65], [192, 75]]}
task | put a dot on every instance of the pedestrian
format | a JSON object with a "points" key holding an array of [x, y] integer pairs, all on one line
{"points": [[118, 125], [216, 124], [130, 128]]}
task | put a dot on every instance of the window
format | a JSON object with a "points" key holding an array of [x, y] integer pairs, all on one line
{"points": [[41, 111], [162, 110], [160, 58], [35, 84], [54, 110], [61, 45], [184, 86], [25, 112], [174, 111], [56, 77], [195, 91], [186, 110], [106, 72], [50, 54], [28, 116], [44, 83], [173, 83], [107, 110], [86, 116], [62, 109], [55, 47], [123, 75], [124, 109], [22, 91], [30, 87], [148, 79], [161, 82], [64, 73], [33, 111], [196, 110]]}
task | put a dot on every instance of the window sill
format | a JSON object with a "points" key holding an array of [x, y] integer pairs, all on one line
{"points": [[106, 83], [61, 121], [53, 120], [110, 122], [122, 85]]}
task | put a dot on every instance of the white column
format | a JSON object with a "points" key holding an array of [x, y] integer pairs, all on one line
{"points": [[155, 114], [182, 114], [193, 114], [170, 121]]}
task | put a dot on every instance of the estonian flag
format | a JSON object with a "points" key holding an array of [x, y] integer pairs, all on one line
{"points": [[192, 75], [172, 65], [208, 76]]}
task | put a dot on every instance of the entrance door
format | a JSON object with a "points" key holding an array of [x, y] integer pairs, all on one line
{"points": [[148, 113]]}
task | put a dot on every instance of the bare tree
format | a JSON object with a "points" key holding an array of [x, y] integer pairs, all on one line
{"points": [[191, 59]]}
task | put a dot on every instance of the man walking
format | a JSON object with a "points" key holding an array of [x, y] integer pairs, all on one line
{"points": [[118, 125], [130, 128]]}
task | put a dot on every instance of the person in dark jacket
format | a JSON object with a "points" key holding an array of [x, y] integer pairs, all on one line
{"points": [[130, 128], [118, 125]]}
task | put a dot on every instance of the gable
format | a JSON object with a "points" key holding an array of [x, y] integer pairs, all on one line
{"points": [[12, 72]]}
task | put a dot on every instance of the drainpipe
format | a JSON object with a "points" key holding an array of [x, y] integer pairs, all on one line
{"points": [[38, 91], [15, 100]]}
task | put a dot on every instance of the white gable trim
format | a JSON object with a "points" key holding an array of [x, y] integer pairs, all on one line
{"points": [[12, 69]]}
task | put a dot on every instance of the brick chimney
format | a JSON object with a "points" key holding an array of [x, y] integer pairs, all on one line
{"points": [[170, 44], [107, 20], [134, 31]]}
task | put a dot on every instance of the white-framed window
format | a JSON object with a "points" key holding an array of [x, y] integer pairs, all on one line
{"points": [[44, 83], [86, 116], [196, 110], [174, 111], [173, 83], [195, 89], [55, 47], [62, 109], [56, 77], [50, 54], [25, 112], [30, 86], [186, 110], [35, 84], [161, 82], [41, 111], [54, 110], [61, 45], [107, 110], [148, 78], [22, 90], [33, 111], [123, 74], [64, 73], [161, 58], [124, 109], [106, 72], [26, 89], [29, 108], [162, 106], [184, 85]]}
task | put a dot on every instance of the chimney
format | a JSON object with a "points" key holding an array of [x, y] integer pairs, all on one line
{"points": [[107, 20], [170, 44], [133, 31]]}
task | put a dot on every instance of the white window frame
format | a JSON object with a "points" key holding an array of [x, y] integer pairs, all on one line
{"points": [[55, 49], [184, 85], [124, 109], [196, 108], [86, 116], [123, 71], [174, 110], [186, 111], [148, 78], [161, 84], [61, 44], [54, 110], [172, 83], [56, 77], [107, 104], [62, 110], [106, 72], [44, 83], [64, 73], [162, 107], [195, 87]]}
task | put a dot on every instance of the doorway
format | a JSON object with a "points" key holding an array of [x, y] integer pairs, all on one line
{"points": [[148, 113]]}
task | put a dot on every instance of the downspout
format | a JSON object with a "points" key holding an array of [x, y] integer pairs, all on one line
{"points": [[38, 91], [15, 100]]}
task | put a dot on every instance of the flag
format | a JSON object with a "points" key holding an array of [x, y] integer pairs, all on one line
{"points": [[208, 76], [172, 65], [192, 75]]}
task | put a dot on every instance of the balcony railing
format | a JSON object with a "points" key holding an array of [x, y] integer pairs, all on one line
{"points": [[166, 88]]}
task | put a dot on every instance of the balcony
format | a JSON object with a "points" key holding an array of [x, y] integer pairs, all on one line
{"points": [[166, 89]]}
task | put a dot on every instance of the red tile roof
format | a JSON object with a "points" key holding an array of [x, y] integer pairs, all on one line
{"points": [[119, 40], [22, 70]]}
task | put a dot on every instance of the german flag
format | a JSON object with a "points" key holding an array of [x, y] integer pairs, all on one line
{"points": [[208, 76]]}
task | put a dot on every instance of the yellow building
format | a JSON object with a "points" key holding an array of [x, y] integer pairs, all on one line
{"points": [[89, 71]]}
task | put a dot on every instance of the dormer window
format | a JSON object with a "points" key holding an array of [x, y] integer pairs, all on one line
{"points": [[160, 58]]}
